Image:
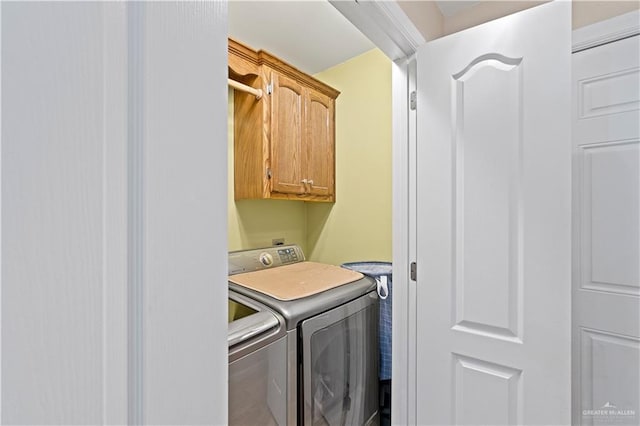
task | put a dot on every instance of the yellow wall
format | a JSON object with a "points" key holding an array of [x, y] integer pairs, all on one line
{"points": [[358, 225], [254, 223]]}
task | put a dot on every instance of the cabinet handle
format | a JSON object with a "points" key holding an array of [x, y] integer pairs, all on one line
{"points": [[306, 182]]}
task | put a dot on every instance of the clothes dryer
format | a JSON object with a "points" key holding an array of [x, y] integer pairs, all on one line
{"points": [[331, 318]]}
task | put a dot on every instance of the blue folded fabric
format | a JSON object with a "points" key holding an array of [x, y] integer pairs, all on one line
{"points": [[377, 270]]}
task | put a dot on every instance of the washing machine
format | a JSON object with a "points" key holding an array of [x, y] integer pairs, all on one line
{"points": [[257, 340], [331, 320]]}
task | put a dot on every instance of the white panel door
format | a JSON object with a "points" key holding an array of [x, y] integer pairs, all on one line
{"points": [[494, 222], [64, 214], [606, 260], [113, 213]]}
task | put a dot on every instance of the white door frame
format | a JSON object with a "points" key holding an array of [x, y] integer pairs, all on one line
{"points": [[607, 31], [386, 24], [391, 31]]}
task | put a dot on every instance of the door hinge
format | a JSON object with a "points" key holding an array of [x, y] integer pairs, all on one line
{"points": [[268, 173], [269, 88], [413, 100], [414, 271]]}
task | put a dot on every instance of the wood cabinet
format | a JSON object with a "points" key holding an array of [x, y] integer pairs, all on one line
{"points": [[284, 143]]}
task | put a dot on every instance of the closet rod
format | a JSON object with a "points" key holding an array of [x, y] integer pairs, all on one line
{"points": [[245, 88]]}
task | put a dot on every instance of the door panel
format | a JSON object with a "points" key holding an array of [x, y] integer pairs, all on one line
{"points": [[603, 385], [286, 135], [610, 188], [493, 231], [609, 94], [606, 196], [320, 143], [487, 200], [486, 393]]}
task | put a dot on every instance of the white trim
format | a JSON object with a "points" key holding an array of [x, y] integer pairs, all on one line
{"points": [[389, 28], [608, 31], [412, 240], [404, 33], [385, 24], [1, 186], [400, 394]]}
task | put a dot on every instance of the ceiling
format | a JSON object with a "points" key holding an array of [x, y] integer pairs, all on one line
{"points": [[451, 7], [308, 34]]}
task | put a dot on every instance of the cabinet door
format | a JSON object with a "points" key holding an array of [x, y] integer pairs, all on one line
{"points": [[287, 118], [319, 144]]}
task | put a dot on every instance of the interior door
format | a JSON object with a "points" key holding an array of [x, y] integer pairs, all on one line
{"points": [[606, 279], [113, 160], [494, 222]]}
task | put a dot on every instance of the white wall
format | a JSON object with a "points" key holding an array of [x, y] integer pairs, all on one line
{"points": [[113, 140]]}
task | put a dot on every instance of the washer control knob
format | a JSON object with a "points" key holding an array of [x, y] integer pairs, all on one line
{"points": [[266, 259]]}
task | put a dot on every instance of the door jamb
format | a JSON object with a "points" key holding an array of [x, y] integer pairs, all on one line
{"points": [[389, 28]]}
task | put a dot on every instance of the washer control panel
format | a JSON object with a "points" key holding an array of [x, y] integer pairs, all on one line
{"points": [[264, 258], [288, 255]]}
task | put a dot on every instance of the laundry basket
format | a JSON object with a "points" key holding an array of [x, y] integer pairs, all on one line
{"points": [[382, 272]]}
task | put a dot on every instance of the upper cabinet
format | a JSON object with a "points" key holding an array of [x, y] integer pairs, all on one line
{"points": [[284, 142]]}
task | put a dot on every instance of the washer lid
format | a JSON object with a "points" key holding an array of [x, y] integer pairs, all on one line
{"points": [[295, 281], [250, 326], [297, 310], [250, 321]]}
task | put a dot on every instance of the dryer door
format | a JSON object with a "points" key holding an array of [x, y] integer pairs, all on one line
{"points": [[340, 365]]}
